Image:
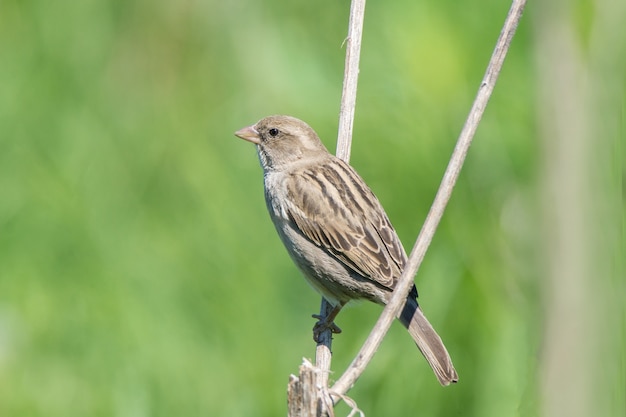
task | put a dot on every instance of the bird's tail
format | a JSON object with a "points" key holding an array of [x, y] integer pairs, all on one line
{"points": [[428, 342]]}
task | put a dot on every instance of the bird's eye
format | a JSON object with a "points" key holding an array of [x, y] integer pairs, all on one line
{"points": [[273, 132]]}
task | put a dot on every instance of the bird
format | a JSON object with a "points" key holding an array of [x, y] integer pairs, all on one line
{"points": [[336, 230]]}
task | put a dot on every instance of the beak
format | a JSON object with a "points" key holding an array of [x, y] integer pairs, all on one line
{"points": [[250, 134]]}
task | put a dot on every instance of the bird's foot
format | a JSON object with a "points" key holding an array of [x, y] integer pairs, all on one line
{"points": [[322, 325]]}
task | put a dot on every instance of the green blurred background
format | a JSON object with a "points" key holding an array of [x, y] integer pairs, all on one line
{"points": [[140, 274]]}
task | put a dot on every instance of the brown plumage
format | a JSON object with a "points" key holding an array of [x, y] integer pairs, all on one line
{"points": [[335, 229]]}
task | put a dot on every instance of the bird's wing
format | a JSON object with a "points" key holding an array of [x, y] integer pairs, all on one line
{"points": [[333, 207]]}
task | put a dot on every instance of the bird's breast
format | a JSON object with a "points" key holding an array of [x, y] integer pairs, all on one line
{"points": [[276, 196]]}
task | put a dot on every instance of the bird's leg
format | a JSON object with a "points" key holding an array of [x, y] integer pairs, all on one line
{"points": [[326, 322]]}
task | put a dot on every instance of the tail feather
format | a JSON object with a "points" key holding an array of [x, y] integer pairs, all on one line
{"points": [[428, 342]]}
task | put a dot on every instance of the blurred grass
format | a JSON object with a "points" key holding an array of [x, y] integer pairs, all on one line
{"points": [[139, 272]]}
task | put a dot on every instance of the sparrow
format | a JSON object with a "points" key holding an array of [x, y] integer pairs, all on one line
{"points": [[335, 229]]}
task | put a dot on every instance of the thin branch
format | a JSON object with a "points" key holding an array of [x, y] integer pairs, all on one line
{"points": [[323, 353], [323, 358], [391, 311], [350, 79]]}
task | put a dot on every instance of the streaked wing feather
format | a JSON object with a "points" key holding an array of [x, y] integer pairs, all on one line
{"points": [[334, 208]]}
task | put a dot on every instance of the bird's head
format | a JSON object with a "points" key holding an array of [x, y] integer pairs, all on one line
{"points": [[283, 140]]}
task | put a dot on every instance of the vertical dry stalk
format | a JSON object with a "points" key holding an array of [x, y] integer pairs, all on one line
{"points": [[323, 353], [350, 79]]}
